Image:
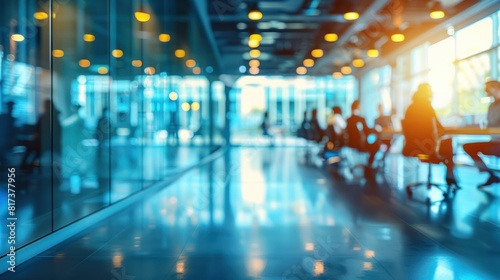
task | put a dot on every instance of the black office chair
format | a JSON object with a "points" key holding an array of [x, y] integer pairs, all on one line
{"points": [[429, 159]]}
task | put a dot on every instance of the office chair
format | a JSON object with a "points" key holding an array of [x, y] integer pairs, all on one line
{"points": [[429, 159]]}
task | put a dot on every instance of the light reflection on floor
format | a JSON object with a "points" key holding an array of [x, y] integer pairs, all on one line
{"points": [[261, 213]]}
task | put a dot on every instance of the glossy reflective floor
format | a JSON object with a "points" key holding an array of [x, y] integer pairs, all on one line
{"points": [[266, 213], [79, 194]]}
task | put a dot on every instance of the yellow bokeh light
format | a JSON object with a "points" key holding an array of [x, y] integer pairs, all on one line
{"points": [[254, 63], [372, 53], [254, 70], [117, 53], [190, 63], [84, 63], [41, 15], [331, 37], [254, 53], [88, 38], [317, 53], [195, 106], [57, 53], [358, 62], [164, 37], [301, 70], [398, 37], [185, 107], [337, 75], [256, 37], [308, 62], [346, 70], [173, 96], [142, 16], [17, 37], [351, 16], [136, 63], [102, 70], [180, 53], [253, 43], [255, 15]]}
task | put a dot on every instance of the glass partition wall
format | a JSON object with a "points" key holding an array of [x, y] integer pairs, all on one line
{"points": [[100, 105]]}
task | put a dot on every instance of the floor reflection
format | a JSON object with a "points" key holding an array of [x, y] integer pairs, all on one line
{"points": [[261, 213]]}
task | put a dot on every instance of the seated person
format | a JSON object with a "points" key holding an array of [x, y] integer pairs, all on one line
{"points": [[491, 148], [336, 127], [384, 122], [426, 131], [316, 133], [358, 132], [303, 131]]}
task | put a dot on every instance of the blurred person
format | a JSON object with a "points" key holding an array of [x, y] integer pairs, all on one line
{"points": [[103, 160], [358, 134], [426, 132], [336, 127], [303, 131], [316, 132], [491, 148], [8, 130], [264, 126], [384, 122], [46, 139]]}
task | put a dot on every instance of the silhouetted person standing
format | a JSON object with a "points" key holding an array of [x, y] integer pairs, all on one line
{"points": [[103, 136]]}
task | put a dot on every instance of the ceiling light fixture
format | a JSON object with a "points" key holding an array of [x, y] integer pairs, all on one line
{"points": [[255, 13], [254, 53], [372, 52], [331, 37], [141, 15], [164, 37], [358, 63], [117, 53], [301, 70], [88, 37], [254, 63], [17, 37], [317, 53], [437, 10], [308, 62], [337, 75], [397, 37], [253, 43], [346, 70], [351, 16]]}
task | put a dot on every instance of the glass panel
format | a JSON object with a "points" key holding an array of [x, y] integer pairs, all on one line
{"points": [[81, 100], [474, 38], [442, 52], [125, 110], [25, 123], [471, 76], [441, 80]]}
